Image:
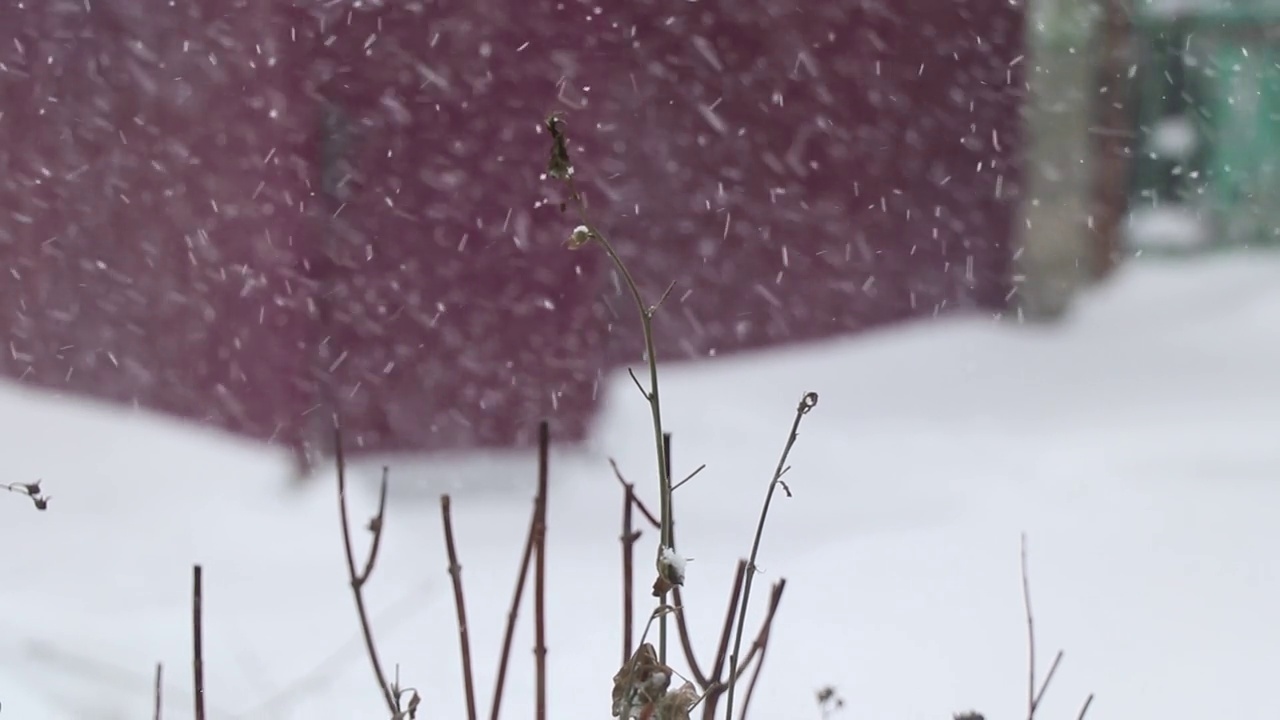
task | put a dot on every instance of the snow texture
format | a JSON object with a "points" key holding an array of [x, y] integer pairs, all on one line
{"points": [[1135, 444]]}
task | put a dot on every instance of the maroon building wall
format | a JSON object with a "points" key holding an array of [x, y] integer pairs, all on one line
{"points": [[253, 213]]}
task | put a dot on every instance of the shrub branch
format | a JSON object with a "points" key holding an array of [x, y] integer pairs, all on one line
{"points": [[560, 167], [464, 637], [807, 403], [359, 576]]}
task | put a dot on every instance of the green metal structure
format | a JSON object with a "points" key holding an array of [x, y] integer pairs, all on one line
{"points": [[1208, 115]]}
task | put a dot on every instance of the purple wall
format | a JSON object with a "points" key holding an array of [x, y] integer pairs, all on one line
{"points": [[246, 213]]}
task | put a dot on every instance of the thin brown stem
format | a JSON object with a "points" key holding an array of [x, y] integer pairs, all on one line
{"points": [[726, 632], [1034, 692], [639, 504], [762, 637], [464, 637], [807, 403], [540, 579], [755, 678], [561, 167], [682, 623], [197, 638], [689, 477], [628, 540], [1053, 668], [1084, 709], [526, 562], [358, 577], [1031, 633], [156, 691]]}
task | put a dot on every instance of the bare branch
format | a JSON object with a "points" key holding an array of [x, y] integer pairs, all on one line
{"points": [[526, 561], [636, 380], [159, 683], [358, 578], [807, 403], [455, 572], [560, 167], [540, 578], [1084, 709], [653, 309], [690, 476], [628, 540], [1034, 692], [644, 510], [197, 638]]}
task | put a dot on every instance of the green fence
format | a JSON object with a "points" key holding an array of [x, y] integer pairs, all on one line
{"points": [[1208, 117]]}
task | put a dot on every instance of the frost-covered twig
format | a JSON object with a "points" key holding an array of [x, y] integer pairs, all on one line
{"points": [[560, 167], [807, 403]]}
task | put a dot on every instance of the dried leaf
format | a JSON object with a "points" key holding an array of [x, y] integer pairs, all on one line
{"points": [[676, 705], [640, 683]]}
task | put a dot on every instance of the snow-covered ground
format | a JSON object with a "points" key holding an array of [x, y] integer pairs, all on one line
{"points": [[1138, 445]]}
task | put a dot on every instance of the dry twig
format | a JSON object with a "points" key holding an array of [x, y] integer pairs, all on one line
{"points": [[560, 167], [540, 579], [359, 576], [711, 684], [628, 540], [1034, 692], [807, 403], [455, 572], [157, 689], [508, 637], [1084, 709], [197, 632]]}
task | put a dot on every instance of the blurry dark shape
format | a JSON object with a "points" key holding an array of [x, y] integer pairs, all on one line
{"points": [[1115, 139], [257, 214]]}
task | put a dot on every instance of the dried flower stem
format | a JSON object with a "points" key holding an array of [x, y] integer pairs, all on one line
{"points": [[156, 690], [526, 561], [540, 579], [711, 684], [1034, 693], [807, 403], [464, 638], [561, 168], [358, 577], [628, 540], [1084, 709], [197, 639]]}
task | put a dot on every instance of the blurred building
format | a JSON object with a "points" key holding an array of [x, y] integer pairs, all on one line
{"points": [[257, 214]]}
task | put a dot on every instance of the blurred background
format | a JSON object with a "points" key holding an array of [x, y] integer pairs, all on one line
{"points": [[1025, 251]]}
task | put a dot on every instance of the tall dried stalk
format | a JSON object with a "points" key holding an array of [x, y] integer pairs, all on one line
{"points": [[560, 167], [526, 561], [359, 576], [712, 684], [464, 637], [540, 581], [807, 403], [197, 638], [156, 692]]}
